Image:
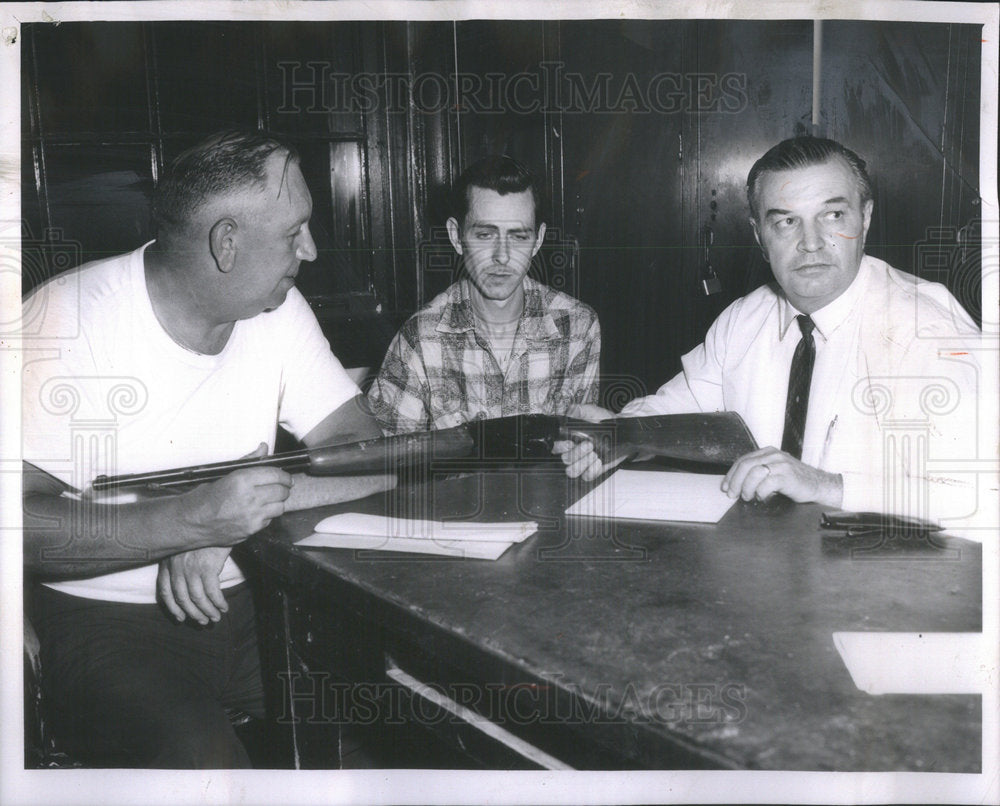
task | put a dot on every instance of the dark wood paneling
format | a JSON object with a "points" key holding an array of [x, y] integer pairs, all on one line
{"points": [[436, 146], [905, 96], [99, 195], [206, 76], [91, 78], [307, 67], [511, 120], [624, 174], [765, 68], [644, 131]]}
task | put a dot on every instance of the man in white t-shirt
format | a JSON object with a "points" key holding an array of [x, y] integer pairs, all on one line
{"points": [[190, 350], [861, 382]]}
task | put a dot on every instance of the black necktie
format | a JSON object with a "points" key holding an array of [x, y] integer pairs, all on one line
{"points": [[799, 379]]}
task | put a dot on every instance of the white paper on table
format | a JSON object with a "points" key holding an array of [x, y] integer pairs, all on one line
{"points": [[656, 496], [913, 663], [473, 549], [454, 539], [354, 523]]}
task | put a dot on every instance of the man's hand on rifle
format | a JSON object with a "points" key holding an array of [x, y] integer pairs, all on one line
{"points": [[579, 456], [238, 505], [225, 511]]}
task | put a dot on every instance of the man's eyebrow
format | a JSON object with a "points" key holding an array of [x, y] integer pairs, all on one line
{"points": [[782, 212], [487, 225]]}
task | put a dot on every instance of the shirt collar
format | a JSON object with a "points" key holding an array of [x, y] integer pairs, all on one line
{"points": [[832, 315], [456, 316], [536, 322]]}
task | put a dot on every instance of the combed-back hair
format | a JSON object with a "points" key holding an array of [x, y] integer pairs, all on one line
{"points": [[499, 173], [220, 164], [801, 152]]}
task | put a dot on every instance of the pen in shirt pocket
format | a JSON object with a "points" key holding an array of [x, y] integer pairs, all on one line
{"points": [[828, 439]]}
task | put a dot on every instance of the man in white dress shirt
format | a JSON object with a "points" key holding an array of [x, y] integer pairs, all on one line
{"points": [[892, 379]]}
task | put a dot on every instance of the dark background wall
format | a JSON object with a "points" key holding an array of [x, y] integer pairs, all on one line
{"points": [[644, 131]]}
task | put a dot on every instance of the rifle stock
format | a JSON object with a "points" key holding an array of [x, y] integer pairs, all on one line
{"points": [[717, 438]]}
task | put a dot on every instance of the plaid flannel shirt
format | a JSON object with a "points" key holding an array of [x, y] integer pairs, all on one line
{"points": [[438, 372]]}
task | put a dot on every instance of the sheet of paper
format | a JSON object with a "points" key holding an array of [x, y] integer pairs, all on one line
{"points": [[353, 523], [472, 549], [656, 496], [913, 663]]}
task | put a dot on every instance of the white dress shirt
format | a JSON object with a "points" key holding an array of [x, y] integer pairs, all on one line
{"points": [[894, 388]]}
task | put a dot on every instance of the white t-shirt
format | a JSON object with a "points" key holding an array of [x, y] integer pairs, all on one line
{"points": [[107, 391]]}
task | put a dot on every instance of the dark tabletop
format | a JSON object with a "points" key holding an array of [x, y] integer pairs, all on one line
{"points": [[739, 615]]}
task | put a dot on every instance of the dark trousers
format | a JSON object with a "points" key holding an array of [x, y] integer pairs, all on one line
{"points": [[127, 686]]}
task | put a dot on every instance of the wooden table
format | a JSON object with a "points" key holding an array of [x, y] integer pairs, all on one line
{"points": [[614, 645]]}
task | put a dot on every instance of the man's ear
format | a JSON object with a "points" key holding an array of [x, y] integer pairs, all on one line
{"points": [[756, 237], [454, 234], [222, 241], [539, 239]]}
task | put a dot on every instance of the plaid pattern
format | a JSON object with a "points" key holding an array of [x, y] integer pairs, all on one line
{"points": [[438, 372]]}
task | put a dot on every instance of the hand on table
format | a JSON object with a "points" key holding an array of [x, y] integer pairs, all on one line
{"points": [[767, 471]]}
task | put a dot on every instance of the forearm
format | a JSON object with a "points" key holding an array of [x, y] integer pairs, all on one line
{"points": [[65, 538], [352, 422], [319, 491]]}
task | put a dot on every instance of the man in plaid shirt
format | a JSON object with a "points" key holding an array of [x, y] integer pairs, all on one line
{"points": [[496, 342]]}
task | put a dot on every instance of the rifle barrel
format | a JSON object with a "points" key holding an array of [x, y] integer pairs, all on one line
{"points": [[295, 460], [375, 455]]}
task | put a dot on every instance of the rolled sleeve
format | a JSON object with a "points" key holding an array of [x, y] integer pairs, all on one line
{"points": [[314, 383]]}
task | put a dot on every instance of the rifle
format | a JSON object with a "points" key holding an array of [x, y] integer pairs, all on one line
{"points": [[716, 438]]}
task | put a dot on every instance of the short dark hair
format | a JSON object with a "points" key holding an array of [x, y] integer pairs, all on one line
{"points": [[800, 152], [219, 164], [497, 172]]}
